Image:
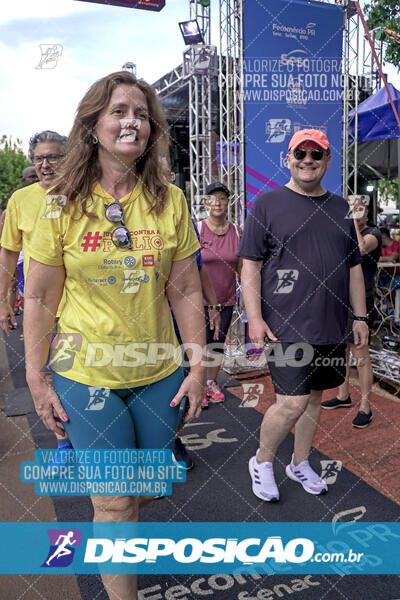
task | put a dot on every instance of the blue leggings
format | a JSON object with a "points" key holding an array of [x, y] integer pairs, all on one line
{"points": [[126, 418]]}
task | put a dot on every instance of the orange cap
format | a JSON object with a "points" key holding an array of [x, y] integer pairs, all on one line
{"points": [[313, 135]]}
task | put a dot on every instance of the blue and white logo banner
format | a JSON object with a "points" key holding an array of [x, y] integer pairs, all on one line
{"points": [[199, 548], [292, 81]]}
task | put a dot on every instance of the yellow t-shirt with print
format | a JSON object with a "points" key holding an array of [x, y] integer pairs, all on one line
{"points": [[116, 326], [25, 208]]}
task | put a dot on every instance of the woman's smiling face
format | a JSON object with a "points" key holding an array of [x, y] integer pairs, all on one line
{"points": [[123, 126]]}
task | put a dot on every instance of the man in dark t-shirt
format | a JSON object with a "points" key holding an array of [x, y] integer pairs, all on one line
{"points": [[301, 263], [370, 244]]}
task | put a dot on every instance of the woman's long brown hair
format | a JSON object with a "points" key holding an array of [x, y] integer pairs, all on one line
{"points": [[81, 169]]}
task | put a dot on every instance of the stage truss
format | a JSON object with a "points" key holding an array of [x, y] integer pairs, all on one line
{"points": [[204, 65]]}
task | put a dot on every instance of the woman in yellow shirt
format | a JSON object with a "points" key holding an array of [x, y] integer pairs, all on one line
{"points": [[121, 242]]}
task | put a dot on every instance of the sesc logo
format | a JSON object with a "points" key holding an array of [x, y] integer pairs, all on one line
{"points": [[61, 551], [295, 58]]}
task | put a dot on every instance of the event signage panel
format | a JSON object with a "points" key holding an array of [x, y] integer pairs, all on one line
{"points": [[360, 548], [155, 5], [292, 81]]}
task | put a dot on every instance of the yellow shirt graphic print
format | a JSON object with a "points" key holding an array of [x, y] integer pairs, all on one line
{"points": [[115, 298], [132, 281]]}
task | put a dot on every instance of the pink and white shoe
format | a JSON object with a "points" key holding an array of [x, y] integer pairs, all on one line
{"points": [[214, 392]]}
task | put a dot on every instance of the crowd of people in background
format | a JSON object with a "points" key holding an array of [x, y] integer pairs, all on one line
{"points": [[110, 181], [25, 207]]}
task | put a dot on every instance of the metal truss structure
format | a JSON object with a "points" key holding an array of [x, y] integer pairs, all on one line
{"points": [[351, 46], [202, 69], [200, 72], [232, 154], [360, 74], [386, 366], [170, 82], [200, 63], [231, 106]]}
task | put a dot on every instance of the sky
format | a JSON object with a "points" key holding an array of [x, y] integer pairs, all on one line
{"points": [[94, 40]]}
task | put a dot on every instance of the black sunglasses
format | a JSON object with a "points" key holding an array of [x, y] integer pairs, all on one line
{"points": [[300, 153], [120, 237]]}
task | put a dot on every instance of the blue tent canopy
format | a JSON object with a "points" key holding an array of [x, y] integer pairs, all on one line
{"points": [[376, 120], [378, 135]]}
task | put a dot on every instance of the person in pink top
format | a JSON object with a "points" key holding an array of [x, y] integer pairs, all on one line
{"points": [[219, 241], [389, 277]]}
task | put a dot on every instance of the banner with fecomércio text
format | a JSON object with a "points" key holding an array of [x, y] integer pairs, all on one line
{"points": [[292, 81]]}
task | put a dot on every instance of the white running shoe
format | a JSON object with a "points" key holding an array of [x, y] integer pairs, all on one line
{"points": [[262, 477], [304, 474]]}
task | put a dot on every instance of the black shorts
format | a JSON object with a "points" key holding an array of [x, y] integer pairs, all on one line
{"points": [[226, 318], [370, 316], [297, 368]]}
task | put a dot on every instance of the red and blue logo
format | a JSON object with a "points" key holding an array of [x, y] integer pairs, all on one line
{"points": [[148, 260]]}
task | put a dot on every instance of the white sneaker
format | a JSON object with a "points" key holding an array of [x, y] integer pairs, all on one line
{"points": [[262, 477], [304, 474]]}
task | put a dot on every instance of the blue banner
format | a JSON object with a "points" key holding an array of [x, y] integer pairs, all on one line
{"points": [[199, 548], [292, 81]]}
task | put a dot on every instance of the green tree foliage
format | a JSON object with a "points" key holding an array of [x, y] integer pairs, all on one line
{"points": [[388, 190], [385, 13], [12, 162]]}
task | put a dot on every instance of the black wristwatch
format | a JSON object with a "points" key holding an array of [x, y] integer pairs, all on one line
{"points": [[365, 319]]}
